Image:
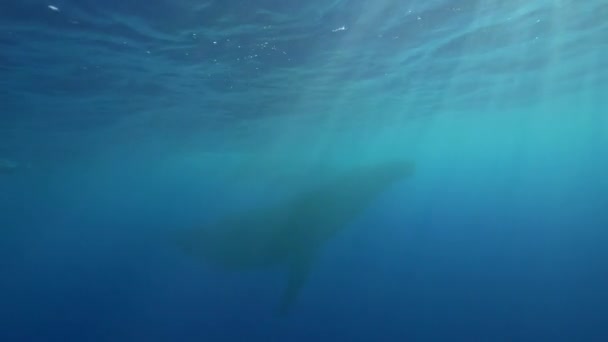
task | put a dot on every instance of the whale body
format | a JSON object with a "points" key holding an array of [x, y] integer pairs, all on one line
{"points": [[291, 233]]}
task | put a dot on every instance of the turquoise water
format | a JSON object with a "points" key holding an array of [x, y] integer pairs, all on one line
{"points": [[123, 124]]}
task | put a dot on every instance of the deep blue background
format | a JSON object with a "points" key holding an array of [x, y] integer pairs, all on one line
{"points": [[130, 120]]}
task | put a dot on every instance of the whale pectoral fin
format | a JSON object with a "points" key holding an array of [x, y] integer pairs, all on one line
{"points": [[299, 269]]}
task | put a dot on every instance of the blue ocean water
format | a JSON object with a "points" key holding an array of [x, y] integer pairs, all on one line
{"points": [[125, 122]]}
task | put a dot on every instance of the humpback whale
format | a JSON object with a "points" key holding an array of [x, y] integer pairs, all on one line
{"points": [[290, 233]]}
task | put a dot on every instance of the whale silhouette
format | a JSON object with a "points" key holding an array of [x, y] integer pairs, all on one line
{"points": [[291, 233]]}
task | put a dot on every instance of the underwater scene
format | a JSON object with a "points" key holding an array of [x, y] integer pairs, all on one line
{"points": [[290, 171]]}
